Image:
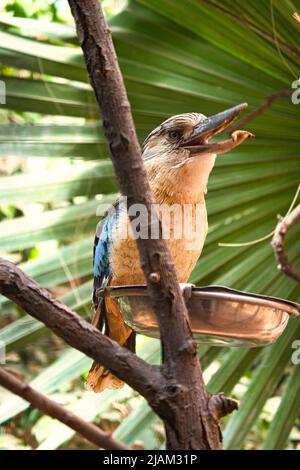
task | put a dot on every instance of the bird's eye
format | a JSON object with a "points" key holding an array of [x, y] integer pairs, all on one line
{"points": [[175, 135]]}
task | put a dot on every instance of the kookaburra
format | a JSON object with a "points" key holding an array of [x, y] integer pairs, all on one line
{"points": [[178, 157]]}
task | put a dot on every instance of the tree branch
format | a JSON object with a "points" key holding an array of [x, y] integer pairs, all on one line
{"points": [[176, 392], [220, 406], [267, 103], [88, 430], [278, 242], [38, 302], [192, 426], [254, 27]]}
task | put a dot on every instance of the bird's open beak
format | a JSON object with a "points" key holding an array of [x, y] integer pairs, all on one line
{"points": [[198, 144]]}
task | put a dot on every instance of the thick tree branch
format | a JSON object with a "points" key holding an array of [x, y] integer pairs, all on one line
{"points": [[77, 332], [88, 430], [38, 302], [176, 392], [278, 241], [192, 425]]}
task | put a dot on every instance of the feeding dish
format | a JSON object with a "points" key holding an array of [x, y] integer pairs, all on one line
{"points": [[218, 315]]}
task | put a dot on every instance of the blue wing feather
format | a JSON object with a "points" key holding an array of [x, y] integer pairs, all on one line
{"points": [[102, 246], [103, 269]]}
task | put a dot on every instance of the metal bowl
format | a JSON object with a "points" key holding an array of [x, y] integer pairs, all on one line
{"points": [[218, 315]]}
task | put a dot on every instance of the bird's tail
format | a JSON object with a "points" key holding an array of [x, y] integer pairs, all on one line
{"points": [[100, 378]]}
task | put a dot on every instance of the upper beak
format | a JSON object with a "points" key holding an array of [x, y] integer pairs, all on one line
{"points": [[198, 140]]}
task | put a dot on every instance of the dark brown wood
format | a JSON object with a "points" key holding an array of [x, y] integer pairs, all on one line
{"points": [[176, 391], [90, 431], [38, 302], [145, 378], [192, 426], [220, 406], [278, 241]]}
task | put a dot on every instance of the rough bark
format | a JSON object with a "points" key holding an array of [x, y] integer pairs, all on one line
{"points": [[148, 380], [77, 332], [192, 426], [176, 391], [88, 430]]}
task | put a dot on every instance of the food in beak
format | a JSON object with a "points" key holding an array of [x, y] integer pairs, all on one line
{"points": [[224, 146]]}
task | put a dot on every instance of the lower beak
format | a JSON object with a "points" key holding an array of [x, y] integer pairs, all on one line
{"points": [[198, 140]]}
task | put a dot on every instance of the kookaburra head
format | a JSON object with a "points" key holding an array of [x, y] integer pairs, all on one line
{"points": [[179, 157]]}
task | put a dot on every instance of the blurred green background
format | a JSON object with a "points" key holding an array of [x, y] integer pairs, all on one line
{"points": [[55, 172]]}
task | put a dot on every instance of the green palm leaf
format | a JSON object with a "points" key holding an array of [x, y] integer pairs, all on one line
{"points": [[176, 57]]}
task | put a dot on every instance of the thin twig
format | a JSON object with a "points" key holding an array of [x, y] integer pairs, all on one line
{"points": [[278, 241], [88, 430], [243, 21], [267, 103]]}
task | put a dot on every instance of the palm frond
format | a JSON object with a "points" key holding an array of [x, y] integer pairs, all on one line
{"points": [[176, 57]]}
